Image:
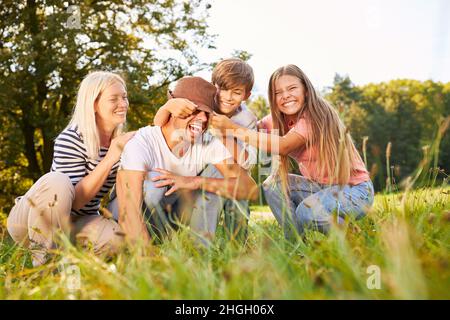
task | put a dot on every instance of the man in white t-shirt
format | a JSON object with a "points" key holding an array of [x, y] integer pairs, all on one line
{"points": [[160, 165]]}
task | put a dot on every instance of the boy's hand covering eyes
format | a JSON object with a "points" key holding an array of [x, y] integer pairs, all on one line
{"points": [[180, 107]]}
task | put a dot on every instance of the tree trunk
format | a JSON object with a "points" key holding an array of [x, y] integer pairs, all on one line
{"points": [[47, 155], [34, 170]]}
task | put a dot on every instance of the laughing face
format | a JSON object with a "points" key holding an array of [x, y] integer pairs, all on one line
{"points": [[112, 105], [194, 125], [289, 94]]}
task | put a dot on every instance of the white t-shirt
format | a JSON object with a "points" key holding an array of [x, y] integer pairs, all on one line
{"points": [[148, 150], [244, 118]]}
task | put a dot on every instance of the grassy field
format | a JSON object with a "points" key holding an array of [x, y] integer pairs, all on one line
{"points": [[406, 236]]}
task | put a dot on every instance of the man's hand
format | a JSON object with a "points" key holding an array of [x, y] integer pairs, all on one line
{"points": [[176, 182]]}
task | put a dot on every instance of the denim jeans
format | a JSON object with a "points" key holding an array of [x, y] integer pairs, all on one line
{"points": [[208, 206], [311, 205], [200, 209], [161, 212]]}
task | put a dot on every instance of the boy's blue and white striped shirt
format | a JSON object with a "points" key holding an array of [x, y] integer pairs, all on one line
{"points": [[70, 158]]}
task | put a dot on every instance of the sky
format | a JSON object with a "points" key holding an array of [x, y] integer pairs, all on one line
{"points": [[368, 40]]}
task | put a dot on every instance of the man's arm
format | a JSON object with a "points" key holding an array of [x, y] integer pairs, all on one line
{"points": [[236, 184], [129, 192]]}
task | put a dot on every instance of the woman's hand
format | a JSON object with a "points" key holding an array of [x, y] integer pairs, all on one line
{"points": [[180, 108], [117, 145], [222, 123], [175, 181]]}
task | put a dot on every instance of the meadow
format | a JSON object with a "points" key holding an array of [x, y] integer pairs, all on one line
{"points": [[405, 237], [400, 250]]}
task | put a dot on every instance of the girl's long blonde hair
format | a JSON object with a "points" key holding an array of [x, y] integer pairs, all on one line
{"points": [[83, 116], [334, 144]]}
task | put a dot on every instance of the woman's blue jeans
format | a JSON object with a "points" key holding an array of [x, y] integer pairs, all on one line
{"points": [[311, 205]]}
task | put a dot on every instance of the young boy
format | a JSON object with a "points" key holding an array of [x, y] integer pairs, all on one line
{"points": [[234, 80]]}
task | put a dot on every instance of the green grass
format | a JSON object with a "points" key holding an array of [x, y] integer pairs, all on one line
{"points": [[406, 235]]}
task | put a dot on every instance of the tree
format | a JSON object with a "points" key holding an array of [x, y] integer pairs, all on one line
{"points": [[403, 112], [42, 60], [241, 54], [47, 47], [259, 106], [344, 92]]}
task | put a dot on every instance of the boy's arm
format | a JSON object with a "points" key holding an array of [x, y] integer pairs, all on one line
{"points": [[129, 192], [161, 117], [178, 107]]}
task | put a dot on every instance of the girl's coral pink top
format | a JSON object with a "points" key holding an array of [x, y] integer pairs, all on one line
{"points": [[307, 157]]}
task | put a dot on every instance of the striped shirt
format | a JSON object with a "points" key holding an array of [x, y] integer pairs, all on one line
{"points": [[70, 158]]}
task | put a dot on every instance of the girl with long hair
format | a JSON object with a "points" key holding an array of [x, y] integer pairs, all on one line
{"points": [[86, 158], [306, 128]]}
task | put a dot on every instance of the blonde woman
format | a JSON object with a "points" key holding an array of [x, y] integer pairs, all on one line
{"points": [[86, 157], [307, 128]]}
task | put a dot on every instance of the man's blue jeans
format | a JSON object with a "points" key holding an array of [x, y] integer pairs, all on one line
{"points": [[161, 212], [208, 206], [311, 205]]}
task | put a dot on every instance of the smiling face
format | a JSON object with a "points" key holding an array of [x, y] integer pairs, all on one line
{"points": [[289, 94], [231, 99], [112, 105]]}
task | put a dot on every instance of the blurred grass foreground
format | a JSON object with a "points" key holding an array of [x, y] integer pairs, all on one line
{"points": [[399, 251]]}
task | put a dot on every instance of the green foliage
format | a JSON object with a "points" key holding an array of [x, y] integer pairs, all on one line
{"points": [[406, 113], [43, 59], [241, 54], [406, 235], [259, 106]]}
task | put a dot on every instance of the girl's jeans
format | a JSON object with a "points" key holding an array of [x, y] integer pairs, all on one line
{"points": [[311, 205]]}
